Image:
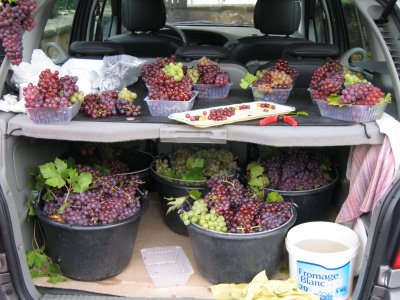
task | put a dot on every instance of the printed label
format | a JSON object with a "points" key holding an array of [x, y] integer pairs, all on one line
{"points": [[328, 284]]}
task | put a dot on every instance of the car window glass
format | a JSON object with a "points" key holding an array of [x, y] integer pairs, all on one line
{"points": [[224, 12], [355, 29], [58, 26]]}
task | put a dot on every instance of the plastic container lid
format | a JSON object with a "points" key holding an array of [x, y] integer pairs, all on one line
{"points": [[167, 266]]}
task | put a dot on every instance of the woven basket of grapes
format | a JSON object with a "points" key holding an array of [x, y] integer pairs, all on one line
{"points": [[89, 219], [346, 95], [305, 177], [185, 169], [54, 100], [234, 234]]}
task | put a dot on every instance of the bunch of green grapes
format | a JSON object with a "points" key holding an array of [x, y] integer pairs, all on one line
{"points": [[194, 74], [127, 94], [77, 97], [199, 214], [174, 70]]}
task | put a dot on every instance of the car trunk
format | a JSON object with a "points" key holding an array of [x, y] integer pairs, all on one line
{"points": [[25, 145]]}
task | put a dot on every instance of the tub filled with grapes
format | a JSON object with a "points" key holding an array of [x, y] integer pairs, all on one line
{"points": [[273, 84], [209, 79], [89, 216], [305, 177], [170, 89], [188, 168], [54, 100], [345, 95], [234, 233]]}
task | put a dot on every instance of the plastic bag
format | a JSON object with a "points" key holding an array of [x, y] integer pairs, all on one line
{"points": [[117, 72], [29, 72]]}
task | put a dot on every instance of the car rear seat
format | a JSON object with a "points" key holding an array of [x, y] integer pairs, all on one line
{"points": [[277, 20]]}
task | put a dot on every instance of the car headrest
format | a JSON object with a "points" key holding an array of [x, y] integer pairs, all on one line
{"points": [[277, 17], [143, 15]]}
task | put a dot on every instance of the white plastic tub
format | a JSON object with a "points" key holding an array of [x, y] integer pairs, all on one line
{"points": [[167, 266], [322, 258]]}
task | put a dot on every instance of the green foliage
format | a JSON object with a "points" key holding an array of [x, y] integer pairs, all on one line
{"points": [[257, 181], [40, 265], [274, 197], [246, 81]]}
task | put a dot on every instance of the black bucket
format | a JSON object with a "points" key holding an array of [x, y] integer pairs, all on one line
{"points": [[139, 163], [237, 257], [312, 205], [166, 188], [90, 253]]}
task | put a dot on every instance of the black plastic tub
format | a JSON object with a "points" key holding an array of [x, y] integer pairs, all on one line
{"points": [[237, 257], [91, 253], [312, 205], [139, 163], [166, 189]]}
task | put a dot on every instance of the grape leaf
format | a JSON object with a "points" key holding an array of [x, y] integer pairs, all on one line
{"points": [[61, 167], [82, 182], [194, 174], [192, 163], [30, 258], [256, 170], [174, 203], [246, 81], [54, 268], [35, 273], [274, 197], [256, 182], [386, 99], [195, 194], [333, 99], [39, 259], [53, 178]]}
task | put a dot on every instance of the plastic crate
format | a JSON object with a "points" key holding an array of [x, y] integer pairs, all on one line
{"points": [[51, 116], [351, 113], [163, 108], [167, 266], [277, 95], [212, 91]]}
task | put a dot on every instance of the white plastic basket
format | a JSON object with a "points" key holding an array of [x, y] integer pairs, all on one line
{"points": [[277, 95], [163, 108], [351, 113], [167, 266], [52, 116], [212, 91]]}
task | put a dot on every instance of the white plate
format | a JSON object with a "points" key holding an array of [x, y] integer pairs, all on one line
{"points": [[255, 112]]}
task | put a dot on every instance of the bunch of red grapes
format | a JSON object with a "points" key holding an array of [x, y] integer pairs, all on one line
{"points": [[242, 210], [107, 104], [51, 91], [207, 71], [148, 71], [279, 76], [327, 79], [165, 87], [15, 19]]}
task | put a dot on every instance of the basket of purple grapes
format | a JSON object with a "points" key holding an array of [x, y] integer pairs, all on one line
{"points": [[305, 177], [345, 95], [54, 100], [273, 84], [85, 214], [209, 80], [233, 233]]}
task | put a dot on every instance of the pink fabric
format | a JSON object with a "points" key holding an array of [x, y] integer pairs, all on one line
{"points": [[371, 171]]}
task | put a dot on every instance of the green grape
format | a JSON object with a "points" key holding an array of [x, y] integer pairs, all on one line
{"points": [[351, 78], [175, 70], [127, 94], [193, 74], [77, 97]]}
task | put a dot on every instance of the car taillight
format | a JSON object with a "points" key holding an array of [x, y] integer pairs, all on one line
{"points": [[396, 262]]}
